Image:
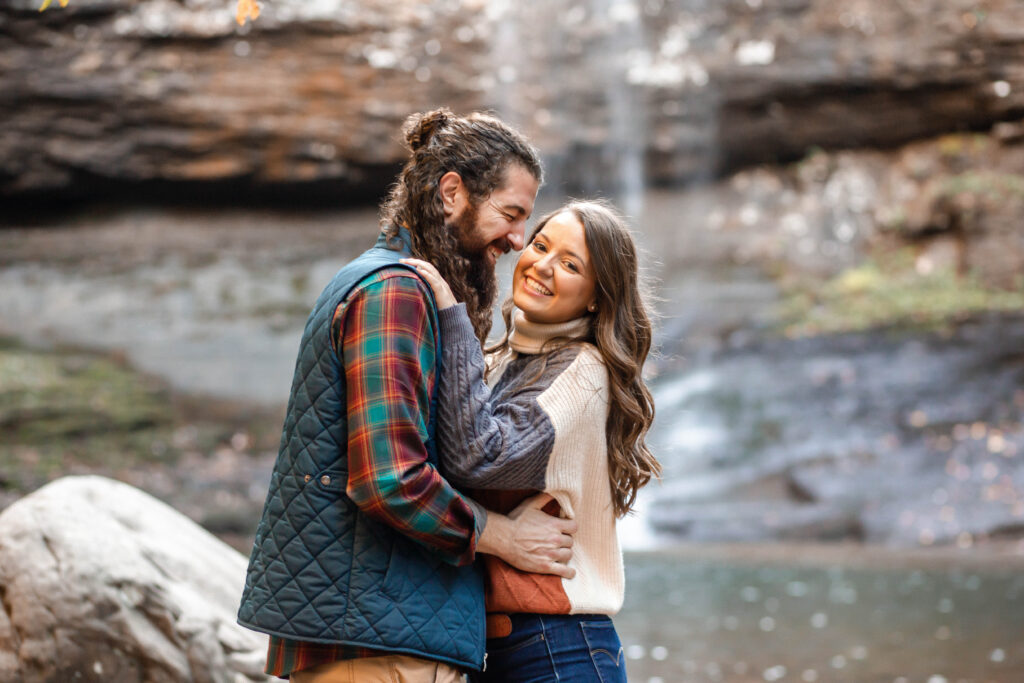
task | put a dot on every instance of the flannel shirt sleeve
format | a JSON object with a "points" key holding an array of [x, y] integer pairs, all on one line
{"points": [[388, 350]]}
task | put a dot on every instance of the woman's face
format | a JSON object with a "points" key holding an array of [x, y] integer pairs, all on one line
{"points": [[554, 279]]}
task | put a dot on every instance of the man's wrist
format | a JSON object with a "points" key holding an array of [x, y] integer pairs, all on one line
{"points": [[480, 516], [496, 534]]}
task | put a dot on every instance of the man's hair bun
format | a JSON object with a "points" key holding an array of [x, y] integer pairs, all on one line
{"points": [[420, 128]]}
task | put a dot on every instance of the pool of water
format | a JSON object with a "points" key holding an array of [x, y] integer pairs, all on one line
{"points": [[742, 617]]}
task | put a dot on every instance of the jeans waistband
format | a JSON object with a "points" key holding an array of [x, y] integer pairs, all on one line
{"points": [[535, 622]]}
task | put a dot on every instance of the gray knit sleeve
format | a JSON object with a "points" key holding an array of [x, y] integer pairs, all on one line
{"points": [[487, 443]]}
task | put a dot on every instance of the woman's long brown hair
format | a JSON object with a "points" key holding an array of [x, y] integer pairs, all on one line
{"points": [[621, 331]]}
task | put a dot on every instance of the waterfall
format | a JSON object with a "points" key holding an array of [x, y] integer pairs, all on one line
{"points": [[561, 75]]}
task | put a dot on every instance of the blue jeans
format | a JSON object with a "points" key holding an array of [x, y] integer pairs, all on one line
{"points": [[543, 648]]}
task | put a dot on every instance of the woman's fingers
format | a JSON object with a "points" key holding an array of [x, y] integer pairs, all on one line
{"points": [[442, 292], [424, 267]]}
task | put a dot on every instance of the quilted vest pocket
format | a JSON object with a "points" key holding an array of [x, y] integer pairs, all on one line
{"points": [[408, 564], [328, 485]]}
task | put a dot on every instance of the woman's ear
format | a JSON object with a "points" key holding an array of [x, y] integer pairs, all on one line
{"points": [[453, 193]]}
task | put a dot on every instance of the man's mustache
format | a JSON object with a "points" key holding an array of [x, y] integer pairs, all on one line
{"points": [[503, 244]]}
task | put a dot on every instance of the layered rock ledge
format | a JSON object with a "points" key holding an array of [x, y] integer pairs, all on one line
{"points": [[119, 97]]}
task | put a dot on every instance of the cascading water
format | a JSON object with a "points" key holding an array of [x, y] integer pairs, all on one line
{"points": [[561, 74]]}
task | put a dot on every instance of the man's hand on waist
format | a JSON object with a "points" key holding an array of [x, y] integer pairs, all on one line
{"points": [[529, 539]]}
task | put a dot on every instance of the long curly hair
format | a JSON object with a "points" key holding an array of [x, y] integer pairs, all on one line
{"points": [[621, 330], [478, 147]]}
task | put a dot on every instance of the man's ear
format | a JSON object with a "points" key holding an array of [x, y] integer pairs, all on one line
{"points": [[453, 193]]}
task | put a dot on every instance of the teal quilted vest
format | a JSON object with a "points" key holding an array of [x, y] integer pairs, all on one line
{"points": [[320, 569]]}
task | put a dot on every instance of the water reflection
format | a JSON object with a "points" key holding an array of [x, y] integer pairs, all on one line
{"points": [[700, 616]]}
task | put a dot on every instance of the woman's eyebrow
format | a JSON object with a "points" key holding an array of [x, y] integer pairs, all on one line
{"points": [[576, 256], [570, 252]]}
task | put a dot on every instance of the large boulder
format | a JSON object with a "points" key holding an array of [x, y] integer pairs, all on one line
{"points": [[101, 582]]}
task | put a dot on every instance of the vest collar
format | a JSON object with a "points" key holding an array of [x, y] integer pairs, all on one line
{"points": [[402, 242]]}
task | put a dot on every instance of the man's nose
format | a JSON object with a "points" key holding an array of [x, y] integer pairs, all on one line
{"points": [[517, 235]]}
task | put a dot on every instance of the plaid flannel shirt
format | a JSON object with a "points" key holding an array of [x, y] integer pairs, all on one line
{"points": [[386, 343]]}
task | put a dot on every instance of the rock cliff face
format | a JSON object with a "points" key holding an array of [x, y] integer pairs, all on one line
{"points": [[118, 96], [101, 582]]}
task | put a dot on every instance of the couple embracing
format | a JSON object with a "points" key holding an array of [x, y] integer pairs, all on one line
{"points": [[437, 509]]}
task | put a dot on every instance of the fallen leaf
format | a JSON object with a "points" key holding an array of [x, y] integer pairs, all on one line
{"points": [[247, 9]]}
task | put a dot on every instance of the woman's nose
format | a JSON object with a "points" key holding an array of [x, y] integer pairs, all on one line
{"points": [[545, 264]]}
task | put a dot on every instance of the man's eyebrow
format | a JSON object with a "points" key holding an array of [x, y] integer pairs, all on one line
{"points": [[514, 208]]}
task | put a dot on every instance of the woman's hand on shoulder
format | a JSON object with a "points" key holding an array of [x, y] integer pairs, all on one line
{"points": [[442, 292]]}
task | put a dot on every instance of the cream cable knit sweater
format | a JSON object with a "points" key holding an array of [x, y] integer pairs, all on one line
{"points": [[538, 426]]}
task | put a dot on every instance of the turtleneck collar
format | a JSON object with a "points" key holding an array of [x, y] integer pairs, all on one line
{"points": [[529, 337]]}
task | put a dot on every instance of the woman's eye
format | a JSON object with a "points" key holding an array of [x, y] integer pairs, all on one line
{"points": [[572, 266], [539, 247]]}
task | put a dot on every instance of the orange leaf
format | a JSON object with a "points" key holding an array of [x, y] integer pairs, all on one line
{"points": [[247, 9]]}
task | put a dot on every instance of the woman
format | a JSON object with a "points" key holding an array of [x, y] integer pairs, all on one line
{"points": [[566, 413]]}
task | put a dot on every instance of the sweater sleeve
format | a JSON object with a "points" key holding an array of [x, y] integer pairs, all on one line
{"points": [[487, 444]]}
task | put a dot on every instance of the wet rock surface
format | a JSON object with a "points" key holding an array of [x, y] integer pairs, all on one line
{"points": [[102, 582], [915, 237], [687, 90], [172, 99], [890, 438]]}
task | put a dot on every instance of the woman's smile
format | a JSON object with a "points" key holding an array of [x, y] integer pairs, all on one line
{"points": [[553, 281], [535, 286]]}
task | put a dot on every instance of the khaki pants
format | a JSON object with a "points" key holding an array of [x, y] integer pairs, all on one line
{"points": [[386, 669]]}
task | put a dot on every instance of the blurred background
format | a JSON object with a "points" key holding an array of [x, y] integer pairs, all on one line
{"points": [[831, 200]]}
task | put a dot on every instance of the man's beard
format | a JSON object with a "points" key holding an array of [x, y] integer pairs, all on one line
{"points": [[479, 274]]}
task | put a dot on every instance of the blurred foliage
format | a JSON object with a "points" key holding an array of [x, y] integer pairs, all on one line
{"points": [[991, 185], [55, 408], [74, 412], [888, 290]]}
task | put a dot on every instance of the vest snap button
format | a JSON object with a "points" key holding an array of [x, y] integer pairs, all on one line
{"points": [[308, 477], [325, 480]]}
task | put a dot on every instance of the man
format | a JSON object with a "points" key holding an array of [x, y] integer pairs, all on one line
{"points": [[361, 568]]}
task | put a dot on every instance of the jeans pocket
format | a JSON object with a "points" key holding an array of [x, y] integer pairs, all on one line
{"points": [[513, 660], [605, 650], [497, 647]]}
